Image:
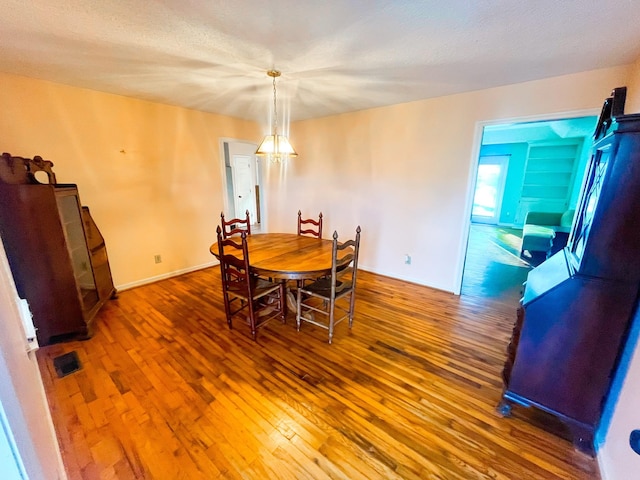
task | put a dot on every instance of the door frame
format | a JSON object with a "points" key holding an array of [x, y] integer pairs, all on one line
{"points": [[259, 176], [473, 172], [252, 174]]}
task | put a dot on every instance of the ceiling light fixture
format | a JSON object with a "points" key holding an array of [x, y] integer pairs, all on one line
{"points": [[275, 146]]}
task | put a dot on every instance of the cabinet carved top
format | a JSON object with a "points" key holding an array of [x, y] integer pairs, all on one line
{"points": [[22, 171]]}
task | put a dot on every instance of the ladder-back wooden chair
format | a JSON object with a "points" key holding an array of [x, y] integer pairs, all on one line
{"points": [[235, 225], [260, 299], [329, 300], [306, 226]]}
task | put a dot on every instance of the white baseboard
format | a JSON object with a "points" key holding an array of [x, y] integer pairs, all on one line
{"points": [[404, 278], [164, 276]]}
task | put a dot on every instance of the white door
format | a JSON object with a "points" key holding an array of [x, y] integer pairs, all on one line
{"points": [[490, 181], [243, 177], [27, 435]]}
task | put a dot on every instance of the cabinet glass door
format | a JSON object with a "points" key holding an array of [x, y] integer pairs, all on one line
{"points": [[69, 209], [588, 204]]}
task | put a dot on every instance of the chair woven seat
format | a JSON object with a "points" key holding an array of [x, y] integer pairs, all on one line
{"points": [[323, 285], [260, 288]]}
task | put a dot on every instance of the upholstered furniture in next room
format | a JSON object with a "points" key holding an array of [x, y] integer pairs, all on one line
{"points": [[541, 229]]}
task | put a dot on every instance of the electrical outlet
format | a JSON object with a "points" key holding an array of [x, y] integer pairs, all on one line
{"points": [[407, 259], [157, 258]]}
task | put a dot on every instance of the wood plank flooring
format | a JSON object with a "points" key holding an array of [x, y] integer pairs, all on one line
{"points": [[493, 267], [167, 391]]}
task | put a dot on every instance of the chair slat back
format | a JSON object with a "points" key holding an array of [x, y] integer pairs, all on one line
{"points": [[344, 264], [235, 225], [234, 263], [304, 230]]}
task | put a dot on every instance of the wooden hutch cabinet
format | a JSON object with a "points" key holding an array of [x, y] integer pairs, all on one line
{"points": [[578, 305], [56, 252]]}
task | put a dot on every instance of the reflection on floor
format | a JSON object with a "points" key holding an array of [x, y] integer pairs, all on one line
{"points": [[493, 267]]}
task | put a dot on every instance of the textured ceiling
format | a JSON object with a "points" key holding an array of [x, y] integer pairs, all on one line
{"points": [[336, 56]]}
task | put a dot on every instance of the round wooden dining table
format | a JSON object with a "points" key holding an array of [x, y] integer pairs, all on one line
{"points": [[287, 256]]}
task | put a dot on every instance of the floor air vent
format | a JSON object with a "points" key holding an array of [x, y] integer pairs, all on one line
{"points": [[66, 364]]}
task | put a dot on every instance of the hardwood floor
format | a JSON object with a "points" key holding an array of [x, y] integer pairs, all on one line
{"points": [[493, 268], [166, 391]]}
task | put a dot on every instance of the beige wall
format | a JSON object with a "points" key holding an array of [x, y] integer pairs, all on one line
{"points": [[403, 172], [632, 104], [150, 173]]}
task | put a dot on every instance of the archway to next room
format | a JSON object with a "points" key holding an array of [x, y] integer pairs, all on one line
{"points": [[535, 166]]}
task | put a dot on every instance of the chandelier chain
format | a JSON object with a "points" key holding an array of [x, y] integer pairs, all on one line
{"points": [[275, 110]]}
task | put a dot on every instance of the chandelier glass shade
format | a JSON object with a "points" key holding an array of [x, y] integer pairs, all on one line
{"points": [[275, 146]]}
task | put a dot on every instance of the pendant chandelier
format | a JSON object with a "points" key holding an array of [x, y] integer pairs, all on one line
{"points": [[275, 146]]}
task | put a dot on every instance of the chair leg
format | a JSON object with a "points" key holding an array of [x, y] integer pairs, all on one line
{"points": [[254, 330], [352, 301], [332, 305], [227, 310], [252, 321], [298, 309], [283, 301]]}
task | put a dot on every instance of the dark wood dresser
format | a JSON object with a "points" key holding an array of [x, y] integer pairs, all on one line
{"points": [[578, 305], [56, 252]]}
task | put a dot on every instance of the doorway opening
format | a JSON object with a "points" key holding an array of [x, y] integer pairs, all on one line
{"points": [[242, 182], [521, 167]]}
